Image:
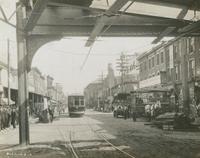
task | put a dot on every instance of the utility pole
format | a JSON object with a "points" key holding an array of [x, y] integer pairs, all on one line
{"points": [[8, 53], [101, 79], [122, 67]]}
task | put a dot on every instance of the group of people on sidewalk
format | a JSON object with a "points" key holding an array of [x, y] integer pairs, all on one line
{"points": [[152, 110], [8, 117]]}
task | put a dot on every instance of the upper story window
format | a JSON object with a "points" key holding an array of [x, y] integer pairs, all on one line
{"points": [[177, 72], [191, 68], [145, 65], [152, 61], [149, 63], [175, 51], [158, 57], [162, 57], [141, 67], [191, 45]]}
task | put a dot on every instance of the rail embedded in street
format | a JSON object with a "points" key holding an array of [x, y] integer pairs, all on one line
{"points": [[102, 136]]}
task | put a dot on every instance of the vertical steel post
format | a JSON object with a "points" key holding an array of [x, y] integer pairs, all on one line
{"points": [[184, 71], [22, 79]]}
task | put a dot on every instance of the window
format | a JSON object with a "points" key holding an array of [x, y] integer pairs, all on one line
{"points": [[162, 57], [76, 101], [175, 51], [149, 63], [176, 72], [152, 61], [191, 45], [140, 67], [191, 68], [145, 65], [82, 102], [158, 59]]}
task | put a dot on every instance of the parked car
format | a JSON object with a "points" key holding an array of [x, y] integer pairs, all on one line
{"points": [[118, 111]]}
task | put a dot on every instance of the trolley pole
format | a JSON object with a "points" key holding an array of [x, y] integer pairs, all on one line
{"points": [[22, 78]]}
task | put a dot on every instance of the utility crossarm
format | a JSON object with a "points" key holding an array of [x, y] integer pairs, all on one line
{"points": [[38, 8], [118, 4]]}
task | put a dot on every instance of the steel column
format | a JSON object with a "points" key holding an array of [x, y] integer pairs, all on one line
{"points": [[22, 80]]}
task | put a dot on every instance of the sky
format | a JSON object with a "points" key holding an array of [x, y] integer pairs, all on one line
{"points": [[63, 59]]}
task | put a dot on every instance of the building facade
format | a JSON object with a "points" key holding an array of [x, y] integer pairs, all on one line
{"points": [[165, 65]]}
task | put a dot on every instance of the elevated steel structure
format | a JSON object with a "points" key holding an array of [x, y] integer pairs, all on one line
{"points": [[42, 21]]}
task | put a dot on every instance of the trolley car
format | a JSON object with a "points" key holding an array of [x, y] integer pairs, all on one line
{"points": [[76, 105]]}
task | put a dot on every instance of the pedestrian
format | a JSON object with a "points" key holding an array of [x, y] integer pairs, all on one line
{"points": [[152, 111], [134, 114], [51, 114], [148, 112], [13, 117], [8, 117], [125, 112]]}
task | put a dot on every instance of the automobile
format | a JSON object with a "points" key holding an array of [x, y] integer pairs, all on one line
{"points": [[118, 111]]}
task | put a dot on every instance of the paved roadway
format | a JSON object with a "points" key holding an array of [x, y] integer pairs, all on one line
{"points": [[99, 135]]}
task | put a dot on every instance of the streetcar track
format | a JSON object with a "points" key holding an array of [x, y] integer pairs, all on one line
{"points": [[100, 135], [72, 146], [68, 144]]}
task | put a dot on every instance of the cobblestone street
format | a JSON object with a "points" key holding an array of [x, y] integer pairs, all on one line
{"points": [[100, 135]]}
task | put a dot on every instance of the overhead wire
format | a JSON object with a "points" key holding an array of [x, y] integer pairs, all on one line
{"points": [[106, 29]]}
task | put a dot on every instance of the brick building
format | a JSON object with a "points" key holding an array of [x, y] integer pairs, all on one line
{"points": [[162, 66]]}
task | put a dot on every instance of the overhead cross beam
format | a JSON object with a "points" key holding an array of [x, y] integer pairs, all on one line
{"points": [[172, 3], [169, 30], [190, 28], [166, 32], [38, 8], [118, 4]]}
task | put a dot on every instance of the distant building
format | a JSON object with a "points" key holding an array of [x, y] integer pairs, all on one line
{"points": [[92, 94]]}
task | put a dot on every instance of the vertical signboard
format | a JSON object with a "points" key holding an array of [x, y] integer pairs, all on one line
{"points": [[171, 57]]}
